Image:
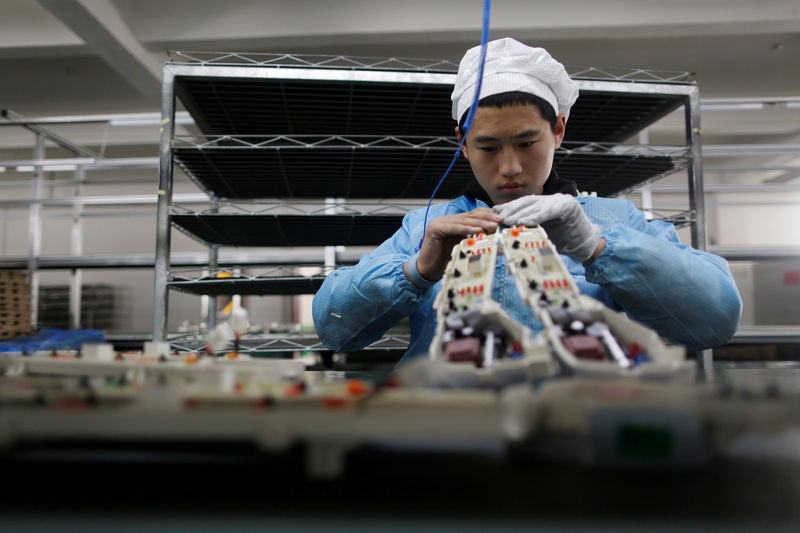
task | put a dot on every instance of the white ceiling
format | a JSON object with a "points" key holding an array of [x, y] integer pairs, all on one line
{"points": [[67, 57]]}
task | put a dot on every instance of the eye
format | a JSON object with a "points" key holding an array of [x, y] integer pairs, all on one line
{"points": [[487, 148], [526, 144]]}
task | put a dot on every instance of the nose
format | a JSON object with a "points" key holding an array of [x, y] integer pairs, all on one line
{"points": [[510, 164]]}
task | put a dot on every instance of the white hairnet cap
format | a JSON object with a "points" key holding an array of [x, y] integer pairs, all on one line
{"points": [[513, 66]]}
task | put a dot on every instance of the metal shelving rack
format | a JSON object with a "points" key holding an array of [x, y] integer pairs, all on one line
{"points": [[375, 134]]}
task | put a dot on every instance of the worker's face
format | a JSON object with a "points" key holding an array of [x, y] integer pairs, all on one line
{"points": [[510, 150]]}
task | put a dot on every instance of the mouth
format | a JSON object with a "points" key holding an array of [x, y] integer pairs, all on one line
{"points": [[511, 187]]}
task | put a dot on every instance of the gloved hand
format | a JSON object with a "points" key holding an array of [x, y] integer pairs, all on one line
{"points": [[562, 218]]}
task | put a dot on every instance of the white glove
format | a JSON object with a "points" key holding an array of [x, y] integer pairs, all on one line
{"points": [[562, 218]]}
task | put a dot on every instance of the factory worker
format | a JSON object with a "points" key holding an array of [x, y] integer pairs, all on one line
{"points": [[612, 251]]}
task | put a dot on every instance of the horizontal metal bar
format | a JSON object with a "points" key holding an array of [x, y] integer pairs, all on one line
{"points": [[267, 72], [141, 199], [635, 87], [749, 103], [86, 162], [181, 260], [741, 150], [767, 334], [756, 253], [114, 119], [765, 168], [729, 188]]}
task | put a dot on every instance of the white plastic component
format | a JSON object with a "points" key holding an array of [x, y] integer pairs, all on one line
{"points": [[239, 320], [97, 352], [219, 337], [535, 361], [156, 349], [665, 361]]}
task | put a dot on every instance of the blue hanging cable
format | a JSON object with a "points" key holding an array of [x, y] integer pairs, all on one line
{"points": [[487, 8]]}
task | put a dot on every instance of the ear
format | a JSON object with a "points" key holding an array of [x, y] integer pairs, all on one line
{"points": [[561, 129], [464, 147]]}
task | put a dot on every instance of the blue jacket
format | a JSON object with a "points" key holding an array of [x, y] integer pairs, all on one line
{"points": [[687, 296]]}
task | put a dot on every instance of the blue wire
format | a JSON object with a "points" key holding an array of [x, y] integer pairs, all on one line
{"points": [[487, 8]]}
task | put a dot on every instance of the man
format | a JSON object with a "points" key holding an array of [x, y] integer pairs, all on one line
{"points": [[614, 254]]}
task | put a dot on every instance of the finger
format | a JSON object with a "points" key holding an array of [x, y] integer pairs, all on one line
{"points": [[461, 228], [484, 213]]}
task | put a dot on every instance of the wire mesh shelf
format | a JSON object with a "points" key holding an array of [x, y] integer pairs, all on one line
{"points": [[241, 167], [404, 64], [281, 280], [287, 342]]}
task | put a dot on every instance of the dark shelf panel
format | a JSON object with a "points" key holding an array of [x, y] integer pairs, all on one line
{"points": [[255, 106], [608, 174], [240, 106], [288, 230], [278, 285], [374, 172], [320, 173]]}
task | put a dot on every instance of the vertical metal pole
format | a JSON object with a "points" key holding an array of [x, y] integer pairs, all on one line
{"points": [[697, 201], [646, 191], [76, 245], [35, 229], [696, 195], [160, 292], [213, 264]]}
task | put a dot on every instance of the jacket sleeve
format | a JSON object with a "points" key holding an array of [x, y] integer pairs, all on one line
{"points": [[356, 305], [688, 296]]}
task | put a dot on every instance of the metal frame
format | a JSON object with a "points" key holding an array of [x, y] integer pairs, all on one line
{"points": [[392, 70], [289, 342]]}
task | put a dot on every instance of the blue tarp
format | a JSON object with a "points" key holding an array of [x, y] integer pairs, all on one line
{"points": [[53, 339]]}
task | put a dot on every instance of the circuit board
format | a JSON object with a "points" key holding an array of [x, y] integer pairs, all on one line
{"points": [[533, 261]]}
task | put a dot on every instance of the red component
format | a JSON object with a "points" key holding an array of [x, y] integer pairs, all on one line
{"points": [[118, 357], [462, 292], [516, 346], [469, 290], [238, 387], [584, 346], [634, 349], [481, 289], [295, 389], [357, 387], [515, 232], [464, 350], [470, 241], [333, 402]]}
